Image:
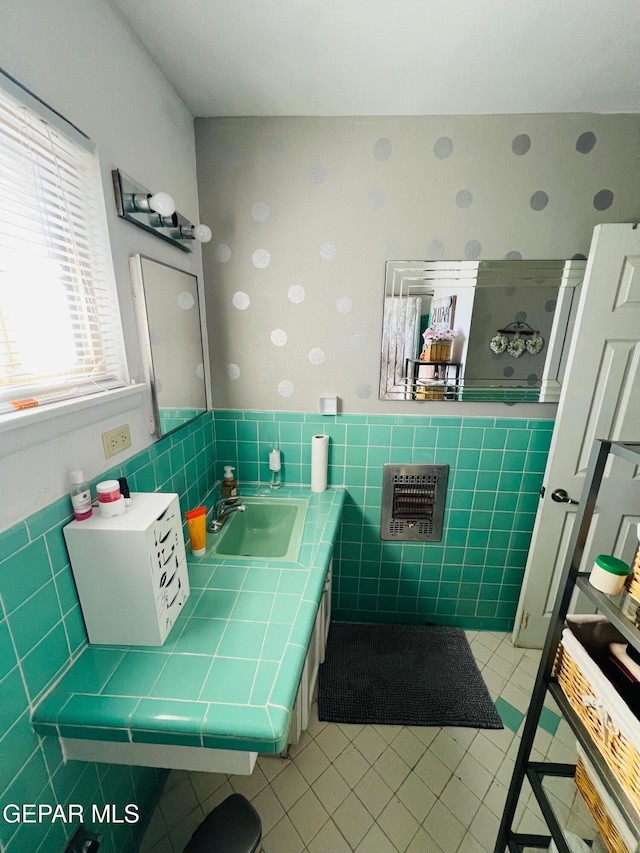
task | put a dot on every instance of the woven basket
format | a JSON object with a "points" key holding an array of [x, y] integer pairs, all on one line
{"points": [[437, 351], [611, 826], [633, 580], [612, 727], [430, 392]]}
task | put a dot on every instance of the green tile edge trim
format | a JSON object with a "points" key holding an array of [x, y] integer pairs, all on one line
{"points": [[510, 716]]}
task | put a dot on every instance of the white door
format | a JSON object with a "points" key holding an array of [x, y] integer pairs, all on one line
{"points": [[600, 398]]}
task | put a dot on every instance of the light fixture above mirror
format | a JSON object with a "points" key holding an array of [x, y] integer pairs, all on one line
{"points": [[156, 212]]}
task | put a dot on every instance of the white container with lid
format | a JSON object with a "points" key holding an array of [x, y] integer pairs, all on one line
{"points": [[110, 501], [609, 574], [108, 490]]}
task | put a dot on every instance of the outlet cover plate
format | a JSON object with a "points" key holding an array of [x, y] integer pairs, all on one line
{"points": [[116, 440], [327, 405]]}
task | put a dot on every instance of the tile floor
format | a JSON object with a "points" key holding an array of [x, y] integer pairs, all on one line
{"points": [[390, 789]]}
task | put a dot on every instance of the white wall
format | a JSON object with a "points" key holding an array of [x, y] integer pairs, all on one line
{"points": [[306, 210], [80, 58]]}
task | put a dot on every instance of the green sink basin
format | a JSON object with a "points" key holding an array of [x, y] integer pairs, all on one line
{"points": [[269, 528]]}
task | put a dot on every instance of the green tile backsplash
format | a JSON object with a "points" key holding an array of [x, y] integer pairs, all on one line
{"points": [[41, 631], [471, 578]]}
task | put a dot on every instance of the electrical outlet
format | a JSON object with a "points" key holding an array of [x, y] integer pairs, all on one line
{"points": [[116, 440]]}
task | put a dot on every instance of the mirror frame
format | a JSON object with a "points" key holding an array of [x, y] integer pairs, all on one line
{"points": [[141, 307], [418, 278]]}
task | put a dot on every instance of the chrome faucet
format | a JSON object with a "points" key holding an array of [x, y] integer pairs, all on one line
{"points": [[221, 511]]}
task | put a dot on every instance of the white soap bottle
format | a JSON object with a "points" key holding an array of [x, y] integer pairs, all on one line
{"points": [[275, 466]]}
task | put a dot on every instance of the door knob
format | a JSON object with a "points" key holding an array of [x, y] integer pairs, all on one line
{"points": [[560, 496]]}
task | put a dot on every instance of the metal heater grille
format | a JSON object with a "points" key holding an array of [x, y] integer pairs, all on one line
{"points": [[413, 499]]}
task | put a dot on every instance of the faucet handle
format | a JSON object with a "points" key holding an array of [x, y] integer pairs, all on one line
{"points": [[225, 502]]}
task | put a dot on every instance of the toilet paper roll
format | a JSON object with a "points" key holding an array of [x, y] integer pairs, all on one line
{"points": [[319, 462]]}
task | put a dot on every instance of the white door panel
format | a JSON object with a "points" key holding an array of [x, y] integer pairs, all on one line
{"points": [[559, 555], [600, 398]]}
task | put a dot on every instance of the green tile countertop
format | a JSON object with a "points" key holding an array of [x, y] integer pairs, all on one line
{"points": [[228, 673]]}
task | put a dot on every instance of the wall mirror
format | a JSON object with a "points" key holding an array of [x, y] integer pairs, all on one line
{"points": [[170, 326], [487, 331]]}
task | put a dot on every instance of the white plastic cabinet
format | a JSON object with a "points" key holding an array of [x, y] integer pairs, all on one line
{"points": [[131, 571]]}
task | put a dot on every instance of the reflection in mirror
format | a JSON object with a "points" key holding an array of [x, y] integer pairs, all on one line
{"points": [[495, 331], [169, 322]]}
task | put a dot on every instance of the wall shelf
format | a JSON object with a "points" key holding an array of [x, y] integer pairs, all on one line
{"points": [[444, 375]]}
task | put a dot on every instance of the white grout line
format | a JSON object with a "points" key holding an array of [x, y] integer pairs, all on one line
{"points": [[484, 820]]}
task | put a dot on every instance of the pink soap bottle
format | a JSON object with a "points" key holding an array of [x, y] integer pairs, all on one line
{"points": [[80, 496]]}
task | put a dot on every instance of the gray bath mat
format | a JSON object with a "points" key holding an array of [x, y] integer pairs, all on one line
{"points": [[412, 675]]}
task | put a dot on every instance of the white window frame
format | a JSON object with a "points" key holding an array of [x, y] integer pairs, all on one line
{"points": [[120, 388]]}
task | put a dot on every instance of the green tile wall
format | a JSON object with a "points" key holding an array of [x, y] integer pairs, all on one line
{"points": [[41, 630], [171, 419], [472, 577]]}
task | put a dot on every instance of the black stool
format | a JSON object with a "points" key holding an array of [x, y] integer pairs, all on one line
{"points": [[232, 827]]}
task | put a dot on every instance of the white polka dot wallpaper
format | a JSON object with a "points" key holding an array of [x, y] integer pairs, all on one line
{"points": [[305, 212]]}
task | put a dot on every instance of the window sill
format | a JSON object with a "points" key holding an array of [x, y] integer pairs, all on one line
{"points": [[21, 430]]}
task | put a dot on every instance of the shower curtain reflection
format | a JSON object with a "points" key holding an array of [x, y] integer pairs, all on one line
{"points": [[400, 331]]}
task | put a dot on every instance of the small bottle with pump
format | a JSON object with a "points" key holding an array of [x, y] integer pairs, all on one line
{"points": [[229, 486], [80, 496], [275, 466]]}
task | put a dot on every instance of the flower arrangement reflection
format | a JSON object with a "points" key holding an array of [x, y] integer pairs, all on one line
{"points": [[437, 344], [431, 335]]}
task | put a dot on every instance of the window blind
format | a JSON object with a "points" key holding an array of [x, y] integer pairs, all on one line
{"points": [[60, 333]]}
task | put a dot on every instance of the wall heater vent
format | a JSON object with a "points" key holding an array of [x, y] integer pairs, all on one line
{"points": [[413, 499]]}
